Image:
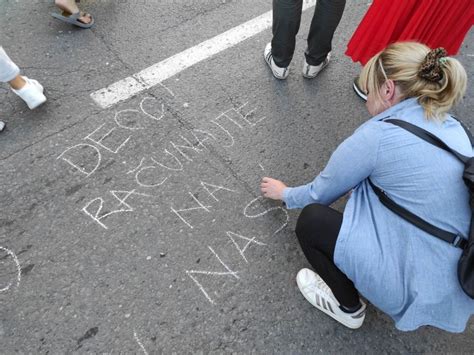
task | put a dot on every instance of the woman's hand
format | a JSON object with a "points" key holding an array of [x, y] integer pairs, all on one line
{"points": [[272, 188]]}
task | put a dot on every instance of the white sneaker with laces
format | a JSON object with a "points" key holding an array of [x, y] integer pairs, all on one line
{"points": [[31, 93], [318, 293], [279, 73], [311, 71]]}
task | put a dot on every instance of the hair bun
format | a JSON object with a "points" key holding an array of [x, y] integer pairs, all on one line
{"points": [[431, 69]]}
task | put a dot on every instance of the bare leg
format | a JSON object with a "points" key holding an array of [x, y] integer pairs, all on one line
{"points": [[69, 6], [17, 83], [29, 90]]}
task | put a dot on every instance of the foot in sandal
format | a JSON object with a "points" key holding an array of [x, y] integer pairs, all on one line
{"points": [[72, 15]]}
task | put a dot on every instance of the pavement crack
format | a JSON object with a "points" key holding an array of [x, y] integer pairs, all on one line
{"points": [[44, 138], [113, 51], [193, 17], [213, 150]]}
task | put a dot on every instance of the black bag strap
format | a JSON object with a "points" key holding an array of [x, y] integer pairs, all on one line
{"points": [[449, 237]]}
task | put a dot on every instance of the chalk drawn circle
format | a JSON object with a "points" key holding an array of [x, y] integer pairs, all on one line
{"points": [[18, 270]]}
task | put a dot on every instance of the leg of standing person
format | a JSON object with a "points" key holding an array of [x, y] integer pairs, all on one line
{"points": [[286, 23], [28, 89], [326, 18], [9, 71], [317, 230]]}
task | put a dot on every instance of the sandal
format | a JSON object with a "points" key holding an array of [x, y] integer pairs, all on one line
{"points": [[73, 19]]}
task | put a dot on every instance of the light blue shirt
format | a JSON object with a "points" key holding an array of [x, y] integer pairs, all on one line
{"points": [[405, 272]]}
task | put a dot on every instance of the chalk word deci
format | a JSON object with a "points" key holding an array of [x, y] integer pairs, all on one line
{"points": [[95, 141]]}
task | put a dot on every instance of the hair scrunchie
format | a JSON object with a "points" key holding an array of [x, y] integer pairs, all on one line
{"points": [[431, 68]]}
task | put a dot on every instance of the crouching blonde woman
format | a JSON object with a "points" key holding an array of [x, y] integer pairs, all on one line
{"points": [[402, 270]]}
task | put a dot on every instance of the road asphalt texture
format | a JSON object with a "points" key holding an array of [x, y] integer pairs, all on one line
{"points": [[139, 228]]}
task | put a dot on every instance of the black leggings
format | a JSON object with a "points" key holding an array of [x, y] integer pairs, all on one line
{"points": [[317, 230]]}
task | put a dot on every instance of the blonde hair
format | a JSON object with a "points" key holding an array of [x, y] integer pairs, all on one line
{"points": [[402, 62]]}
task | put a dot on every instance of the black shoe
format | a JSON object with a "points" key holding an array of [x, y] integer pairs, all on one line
{"points": [[361, 93]]}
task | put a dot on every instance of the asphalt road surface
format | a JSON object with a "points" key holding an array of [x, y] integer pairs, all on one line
{"points": [[138, 227]]}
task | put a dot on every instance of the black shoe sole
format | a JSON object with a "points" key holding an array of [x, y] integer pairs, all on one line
{"points": [[359, 92]]}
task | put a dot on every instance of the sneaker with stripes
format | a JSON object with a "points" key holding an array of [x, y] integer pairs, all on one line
{"points": [[311, 71], [279, 73], [318, 293]]}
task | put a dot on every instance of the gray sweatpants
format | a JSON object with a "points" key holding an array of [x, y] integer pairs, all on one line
{"points": [[286, 23], [8, 69]]}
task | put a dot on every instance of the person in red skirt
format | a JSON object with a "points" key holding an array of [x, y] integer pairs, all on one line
{"points": [[435, 23]]}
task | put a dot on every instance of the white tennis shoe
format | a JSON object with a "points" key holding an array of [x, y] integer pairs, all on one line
{"points": [[318, 293], [311, 71], [279, 73], [31, 93]]}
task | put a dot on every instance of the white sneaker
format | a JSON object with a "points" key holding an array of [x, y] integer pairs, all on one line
{"points": [[279, 73], [31, 93], [311, 71], [2, 126], [315, 290]]}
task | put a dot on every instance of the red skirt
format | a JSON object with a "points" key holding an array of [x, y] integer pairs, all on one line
{"points": [[436, 23]]}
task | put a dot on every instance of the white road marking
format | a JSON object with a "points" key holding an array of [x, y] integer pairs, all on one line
{"points": [[159, 72]]}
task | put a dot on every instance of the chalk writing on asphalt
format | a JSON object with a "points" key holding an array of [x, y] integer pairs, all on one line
{"points": [[17, 269], [154, 171]]}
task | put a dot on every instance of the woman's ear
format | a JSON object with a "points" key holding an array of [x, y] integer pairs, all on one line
{"points": [[388, 90]]}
